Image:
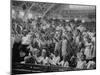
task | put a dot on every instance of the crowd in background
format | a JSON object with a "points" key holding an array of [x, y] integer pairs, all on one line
{"points": [[48, 41]]}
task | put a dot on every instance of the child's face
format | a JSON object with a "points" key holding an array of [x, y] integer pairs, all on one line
{"points": [[22, 54], [43, 53], [82, 57]]}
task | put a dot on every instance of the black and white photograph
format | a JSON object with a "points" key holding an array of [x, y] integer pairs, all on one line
{"points": [[52, 37]]}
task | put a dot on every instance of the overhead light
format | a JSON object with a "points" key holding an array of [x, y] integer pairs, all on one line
{"points": [[75, 19], [83, 21]]}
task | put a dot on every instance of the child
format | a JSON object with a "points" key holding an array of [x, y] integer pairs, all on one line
{"points": [[55, 58], [64, 62], [43, 59], [81, 63], [91, 65]]}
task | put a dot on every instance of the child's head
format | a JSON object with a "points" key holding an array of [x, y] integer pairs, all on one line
{"points": [[35, 52], [56, 53], [43, 53], [82, 57], [22, 53]]}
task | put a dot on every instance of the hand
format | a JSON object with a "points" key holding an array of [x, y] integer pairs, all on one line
{"points": [[23, 62]]}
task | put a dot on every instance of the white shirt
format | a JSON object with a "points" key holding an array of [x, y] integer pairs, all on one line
{"points": [[26, 40], [55, 60], [91, 65], [43, 60], [81, 64], [88, 51], [64, 47], [64, 64]]}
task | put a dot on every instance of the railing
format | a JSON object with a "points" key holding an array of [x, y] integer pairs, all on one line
{"points": [[18, 68], [37, 68]]}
